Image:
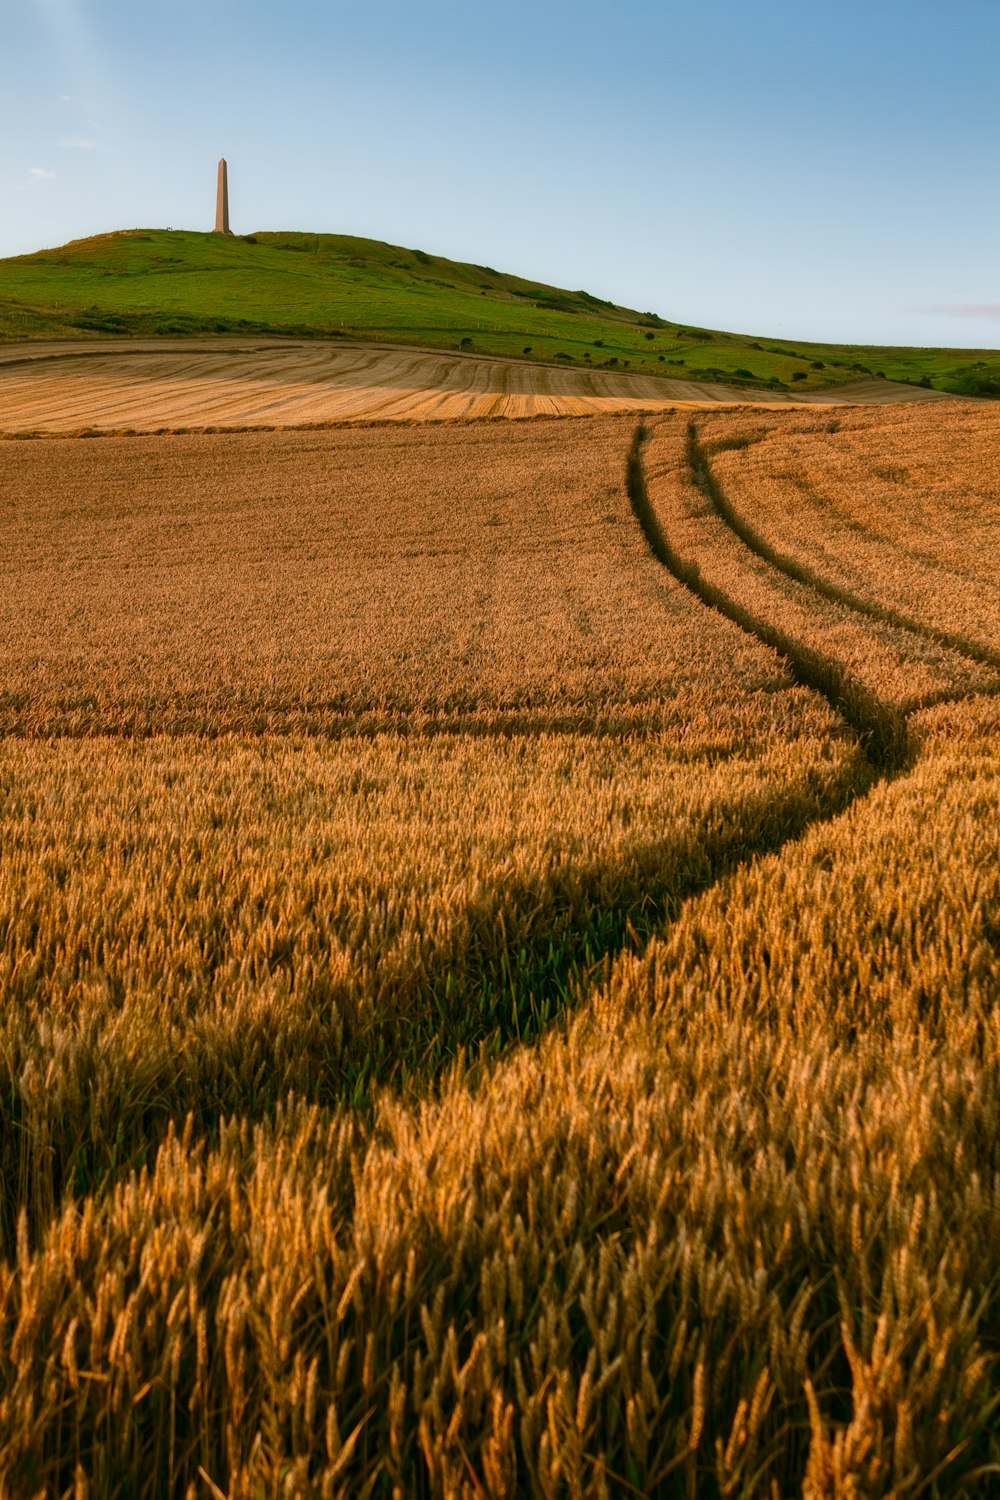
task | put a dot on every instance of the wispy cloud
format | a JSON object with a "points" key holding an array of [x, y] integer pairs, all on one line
{"points": [[40, 173], [77, 143], [964, 309]]}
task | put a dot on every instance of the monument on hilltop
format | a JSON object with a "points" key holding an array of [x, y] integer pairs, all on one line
{"points": [[222, 200]]}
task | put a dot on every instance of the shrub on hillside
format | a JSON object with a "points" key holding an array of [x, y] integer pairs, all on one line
{"points": [[975, 383]]}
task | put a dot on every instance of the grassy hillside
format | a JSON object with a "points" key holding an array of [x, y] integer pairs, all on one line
{"points": [[180, 282]]}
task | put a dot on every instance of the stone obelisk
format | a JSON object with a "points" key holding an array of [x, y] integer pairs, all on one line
{"points": [[222, 200]]}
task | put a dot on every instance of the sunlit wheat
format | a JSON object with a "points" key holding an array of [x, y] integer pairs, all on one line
{"points": [[473, 1024]]}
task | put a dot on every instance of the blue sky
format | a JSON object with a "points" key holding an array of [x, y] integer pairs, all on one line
{"points": [[772, 166]]}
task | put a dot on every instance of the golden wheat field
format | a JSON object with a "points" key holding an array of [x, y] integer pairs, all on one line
{"points": [[500, 960], [147, 385]]}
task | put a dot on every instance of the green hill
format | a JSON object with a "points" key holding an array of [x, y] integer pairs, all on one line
{"points": [[334, 286]]}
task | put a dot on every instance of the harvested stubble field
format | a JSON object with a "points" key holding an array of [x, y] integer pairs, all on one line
{"points": [[496, 1003], [149, 385]]}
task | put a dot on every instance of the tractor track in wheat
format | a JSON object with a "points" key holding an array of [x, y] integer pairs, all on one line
{"points": [[700, 459]]}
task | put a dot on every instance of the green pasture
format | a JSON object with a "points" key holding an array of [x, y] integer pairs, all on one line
{"points": [[328, 285]]}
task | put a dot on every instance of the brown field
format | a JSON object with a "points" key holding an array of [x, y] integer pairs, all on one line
{"points": [[344, 580], [496, 1004], [143, 386]]}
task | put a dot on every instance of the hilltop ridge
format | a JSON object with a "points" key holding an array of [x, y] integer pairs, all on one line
{"points": [[173, 282]]}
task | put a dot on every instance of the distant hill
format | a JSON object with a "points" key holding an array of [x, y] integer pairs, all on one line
{"points": [[157, 281]]}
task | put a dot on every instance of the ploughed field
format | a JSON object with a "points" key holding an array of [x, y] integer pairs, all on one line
{"points": [[500, 959], [145, 386]]}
